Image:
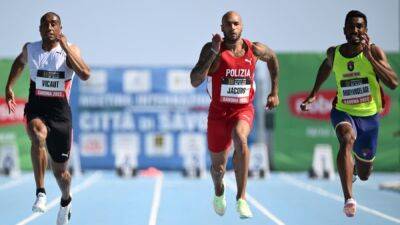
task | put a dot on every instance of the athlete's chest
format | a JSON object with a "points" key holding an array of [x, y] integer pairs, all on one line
{"points": [[240, 67], [54, 61]]}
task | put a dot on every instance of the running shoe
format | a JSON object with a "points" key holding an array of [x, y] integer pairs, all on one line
{"points": [[40, 203], [219, 203], [243, 209], [64, 215], [350, 207]]}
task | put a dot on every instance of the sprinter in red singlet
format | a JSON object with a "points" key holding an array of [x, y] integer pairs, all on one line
{"points": [[228, 64]]}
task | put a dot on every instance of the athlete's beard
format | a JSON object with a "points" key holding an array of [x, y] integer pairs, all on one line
{"points": [[230, 40], [352, 41]]}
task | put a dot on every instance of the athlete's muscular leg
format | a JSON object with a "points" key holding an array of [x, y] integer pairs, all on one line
{"points": [[346, 137], [37, 132], [364, 169], [218, 167], [63, 177], [241, 156]]}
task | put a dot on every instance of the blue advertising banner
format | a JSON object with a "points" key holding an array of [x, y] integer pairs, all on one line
{"points": [[151, 113]]}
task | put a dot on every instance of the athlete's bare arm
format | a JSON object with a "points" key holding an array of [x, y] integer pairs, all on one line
{"points": [[265, 54], [74, 59], [323, 73], [16, 70], [380, 64], [208, 54]]}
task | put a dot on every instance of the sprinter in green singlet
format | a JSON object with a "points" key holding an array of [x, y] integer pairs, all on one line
{"points": [[359, 67]]}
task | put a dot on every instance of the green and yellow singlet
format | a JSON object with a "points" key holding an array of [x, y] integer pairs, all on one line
{"points": [[358, 90]]}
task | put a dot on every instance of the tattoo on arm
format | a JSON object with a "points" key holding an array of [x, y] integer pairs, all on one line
{"points": [[200, 70], [265, 54]]}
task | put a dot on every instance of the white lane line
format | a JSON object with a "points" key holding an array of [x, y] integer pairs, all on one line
{"points": [[15, 182], [155, 205], [298, 183], [78, 188], [256, 203]]}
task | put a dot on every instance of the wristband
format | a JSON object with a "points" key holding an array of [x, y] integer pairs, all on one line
{"points": [[214, 51]]}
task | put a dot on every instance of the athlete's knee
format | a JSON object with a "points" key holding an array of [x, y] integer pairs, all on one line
{"points": [[37, 132], [218, 169], [363, 177], [364, 174], [62, 175], [364, 169], [239, 139], [241, 152], [347, 139]]}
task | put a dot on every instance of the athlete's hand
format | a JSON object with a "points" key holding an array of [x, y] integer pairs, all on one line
{"points": [[306, 103], [10, 100], [366, 43], [62, 39], [216, 42], [272, 101]]}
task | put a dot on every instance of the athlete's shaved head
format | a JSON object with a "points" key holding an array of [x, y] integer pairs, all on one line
{"points": [[229, 14], [43, 18], [231, 26]]}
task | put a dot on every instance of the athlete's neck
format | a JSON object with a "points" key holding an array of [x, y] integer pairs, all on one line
{"points": [[235, 45], [351, 50], [49, 45]]}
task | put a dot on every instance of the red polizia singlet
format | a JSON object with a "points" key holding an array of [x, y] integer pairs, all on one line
{"points": [[232, 84]]}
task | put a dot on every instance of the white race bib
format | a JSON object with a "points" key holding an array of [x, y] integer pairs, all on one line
{"points": [[50, 83], [356, 91], [235, 90]]}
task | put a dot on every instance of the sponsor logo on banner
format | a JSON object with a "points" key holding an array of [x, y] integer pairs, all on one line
{"points": [[93, 144], [179, 81], [17, 117], [159, 144], [136, 81], [97, 84], [321, 108], [126, 142], [191, 142]]}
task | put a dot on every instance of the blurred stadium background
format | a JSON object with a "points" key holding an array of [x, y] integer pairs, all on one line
{"points": [[139, 101], [141, 53]]}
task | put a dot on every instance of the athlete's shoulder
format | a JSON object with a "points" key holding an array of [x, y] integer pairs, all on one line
{"points": [[74, 48], [377, 51], [330, 55], [207, 45], [25, 46], [375, 47], [258, 48], [257, 44], [35, 45], [331, 50]]}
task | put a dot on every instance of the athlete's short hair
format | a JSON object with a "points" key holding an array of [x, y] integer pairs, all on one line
{"points": [[51, 13], [355, 13]]}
